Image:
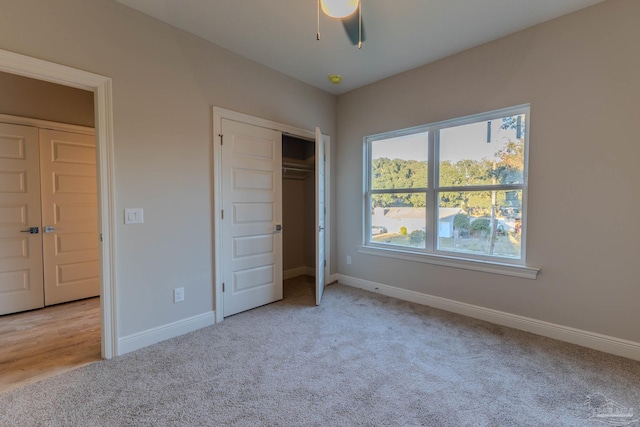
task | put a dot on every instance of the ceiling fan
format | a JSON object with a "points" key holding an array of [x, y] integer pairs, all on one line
{"points": [[345, 10]]}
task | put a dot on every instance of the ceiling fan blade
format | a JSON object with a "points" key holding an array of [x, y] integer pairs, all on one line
{"points": [[351, 24]]}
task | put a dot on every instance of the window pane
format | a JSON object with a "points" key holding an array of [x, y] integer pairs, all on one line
{"points": [[483, 153], [399, 219], [467, 223], [399, 162]]}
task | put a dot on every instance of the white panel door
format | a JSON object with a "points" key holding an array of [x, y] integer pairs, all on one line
{"points": [[320, 214], [20, 252], [69, 216], [251, 184]]}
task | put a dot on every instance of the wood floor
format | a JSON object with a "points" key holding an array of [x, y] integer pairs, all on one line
{"points": [[41, 343]]}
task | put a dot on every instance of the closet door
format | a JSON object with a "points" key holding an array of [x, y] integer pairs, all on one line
{"points": [[69, 216], [251, 180], [20, 250], [320, 214]]}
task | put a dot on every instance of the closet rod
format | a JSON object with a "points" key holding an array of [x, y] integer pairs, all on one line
{"points": [[287, 168], [296, 167]]}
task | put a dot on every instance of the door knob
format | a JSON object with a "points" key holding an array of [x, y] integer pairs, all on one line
{"points": [[320, 228], [31, 230], [278, 227], [49, 229]]}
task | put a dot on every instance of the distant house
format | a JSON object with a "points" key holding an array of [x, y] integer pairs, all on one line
{"points": [[413, 219], [445, 221]]}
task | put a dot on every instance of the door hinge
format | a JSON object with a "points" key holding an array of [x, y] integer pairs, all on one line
{"points": [[221, 139], [101, 237], [222, 286], [325, 210], [222, 214], [325, 262]]}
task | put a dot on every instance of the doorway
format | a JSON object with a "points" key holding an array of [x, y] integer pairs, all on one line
{"points": [[303, 206], [48, 231], [298, 207], [26, 66]]}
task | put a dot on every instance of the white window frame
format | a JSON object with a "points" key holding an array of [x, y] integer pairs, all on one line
{"points": [[431, 254]]}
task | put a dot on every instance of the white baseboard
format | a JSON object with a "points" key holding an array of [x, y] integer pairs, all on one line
{"points": [[605, 343], [161, 333], [333, 278], [298, 271]]}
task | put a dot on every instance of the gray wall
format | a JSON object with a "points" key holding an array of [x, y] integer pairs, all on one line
{"points": [[165, 83], [25, 97], [581, 75], [299, 222], [293, 223]]}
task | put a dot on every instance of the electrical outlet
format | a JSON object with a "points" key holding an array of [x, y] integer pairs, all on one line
{"points": [[349, 259], [178, 295]]}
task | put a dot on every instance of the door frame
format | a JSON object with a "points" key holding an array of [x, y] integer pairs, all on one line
{"points": [[220, 113], [101, 87]]}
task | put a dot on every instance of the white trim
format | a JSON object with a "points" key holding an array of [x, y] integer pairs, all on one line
{"points": [[593, 340], [332, 278], [257, 121], [431, 191], [46, 124], [162, 333], [514, 270], [218, 114], [26, 66]]}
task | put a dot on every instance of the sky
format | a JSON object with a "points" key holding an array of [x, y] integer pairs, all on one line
{"points": [[456, 143]]}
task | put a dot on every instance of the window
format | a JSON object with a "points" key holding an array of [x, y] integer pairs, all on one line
{"points": [[455, 189]]}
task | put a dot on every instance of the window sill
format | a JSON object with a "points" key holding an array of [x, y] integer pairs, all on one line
{"points": [[448, 261]]}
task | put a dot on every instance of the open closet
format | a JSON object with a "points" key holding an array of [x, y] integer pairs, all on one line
{"points": [[298, 207], [271, 203]]}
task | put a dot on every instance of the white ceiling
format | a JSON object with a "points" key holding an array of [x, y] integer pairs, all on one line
{"points": [[401, 34]]}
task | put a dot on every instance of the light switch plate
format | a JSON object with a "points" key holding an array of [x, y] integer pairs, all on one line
{"points": [[133, 216]]}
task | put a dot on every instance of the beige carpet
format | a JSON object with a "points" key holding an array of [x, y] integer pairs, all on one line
{"points": [[359, 359]]}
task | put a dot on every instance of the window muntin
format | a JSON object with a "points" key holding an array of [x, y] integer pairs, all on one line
{"points": [[475, 205]]}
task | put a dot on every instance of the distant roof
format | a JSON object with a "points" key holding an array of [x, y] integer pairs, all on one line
{"points": [[448, 212], [406, 212]]}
